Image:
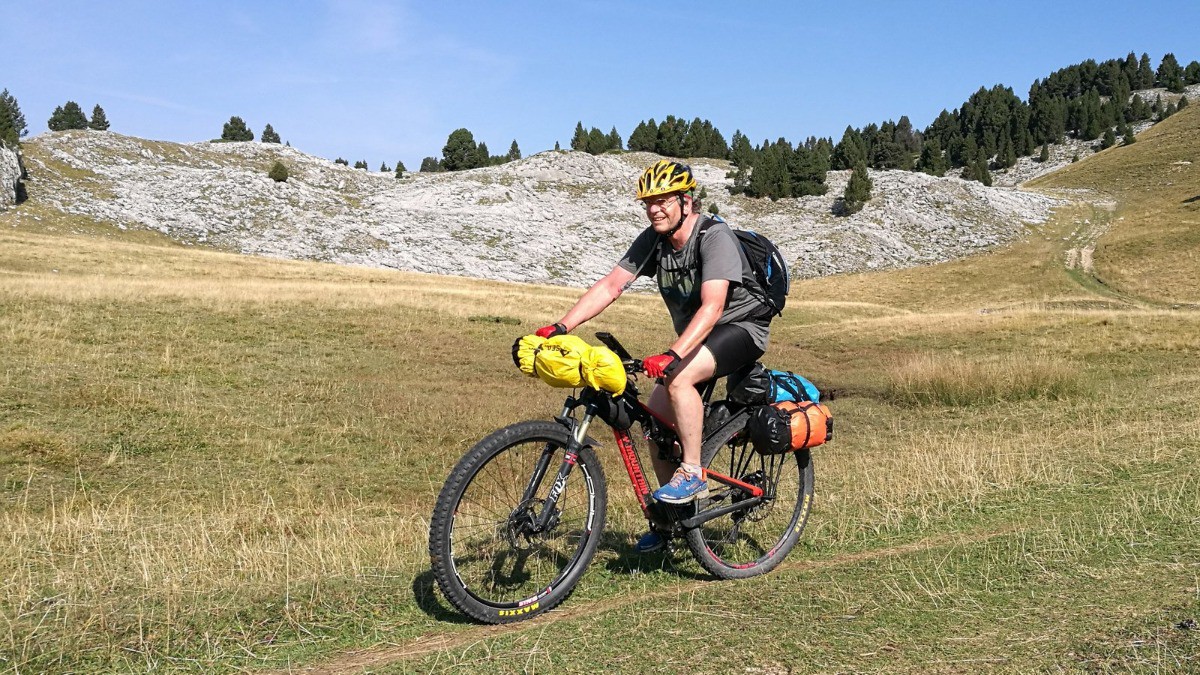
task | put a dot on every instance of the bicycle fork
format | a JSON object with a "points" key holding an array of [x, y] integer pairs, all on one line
{"points": [[578, 428]]}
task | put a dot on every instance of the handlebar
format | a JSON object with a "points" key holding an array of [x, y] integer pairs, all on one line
{"points": [[631, 364]]}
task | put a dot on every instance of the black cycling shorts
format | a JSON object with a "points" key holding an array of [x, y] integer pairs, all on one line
{"points": [[732, 348]]}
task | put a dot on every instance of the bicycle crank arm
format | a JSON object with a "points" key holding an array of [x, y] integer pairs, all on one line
{"points": [[705, 516]]}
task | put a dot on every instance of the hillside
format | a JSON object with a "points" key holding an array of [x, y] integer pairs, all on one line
{"points": [[556, 217], [1150, 246]]}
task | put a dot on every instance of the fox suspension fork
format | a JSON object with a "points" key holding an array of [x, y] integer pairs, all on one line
{"points": [[570, 459]]}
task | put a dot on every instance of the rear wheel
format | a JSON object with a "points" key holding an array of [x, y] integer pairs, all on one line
{"points": [[752, 541], [490, 557]]}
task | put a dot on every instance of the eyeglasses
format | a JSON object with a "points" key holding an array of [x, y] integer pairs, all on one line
{"points": [[660, 202]]}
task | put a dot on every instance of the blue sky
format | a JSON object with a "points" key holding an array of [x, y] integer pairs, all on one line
{"points": [[385, 81]]}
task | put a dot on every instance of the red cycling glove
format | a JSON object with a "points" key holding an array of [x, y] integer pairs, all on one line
{"points": [[661, 365], [551, 330]]}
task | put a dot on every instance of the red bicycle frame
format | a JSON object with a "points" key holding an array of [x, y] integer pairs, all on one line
{"points": [[637, 475]]}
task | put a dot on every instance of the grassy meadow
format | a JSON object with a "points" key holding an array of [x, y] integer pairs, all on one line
{"points": [[219, 463]]}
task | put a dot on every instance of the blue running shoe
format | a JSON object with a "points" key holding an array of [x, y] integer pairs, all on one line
{"points": [[683, 488], [651, 542]]}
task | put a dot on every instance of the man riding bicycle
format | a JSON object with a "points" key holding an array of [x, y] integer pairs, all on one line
{"points": [[705, 281]]}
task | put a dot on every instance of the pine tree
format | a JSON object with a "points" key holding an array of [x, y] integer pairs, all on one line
{"points": [[770, 178], [431, 165], [1145, 75], [714, 210], [68, 116], [670, 137], [1139, 110], [858, 190], [1092, 123], [361, 164], [982, 174], [1130, 138], [580, 140], [614, 140], [1191, 74], [12, 122], [970, 150], [400, 169], [1170, 74], [482, 156], [99, 119], [1045, 154], [1006, 155], [236, 130], [851, 150], [341, 161], [644, 137], [557, 148], [968, 171], [514, 153], [1109, 140], [597, 141], [384, 168], [742, 155], [1130, 69], [460, 151], [1183, 103], [933, 160], [269, 135], [278, 172], [807, 168]]}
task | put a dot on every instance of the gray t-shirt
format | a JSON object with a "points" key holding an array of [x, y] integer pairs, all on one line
{"points": [[714, 255]]}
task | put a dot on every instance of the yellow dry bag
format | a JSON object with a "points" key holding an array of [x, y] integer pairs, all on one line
{"points": [[524, 351], [602, 369], [557, 361]]}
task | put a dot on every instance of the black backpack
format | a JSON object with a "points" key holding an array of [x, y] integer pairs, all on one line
{"points": [[767, 263]]}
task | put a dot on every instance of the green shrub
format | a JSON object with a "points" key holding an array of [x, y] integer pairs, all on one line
{"points": [[278, 172]]}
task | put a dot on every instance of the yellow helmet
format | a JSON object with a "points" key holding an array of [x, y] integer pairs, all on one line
{"points": [[664, 177]]}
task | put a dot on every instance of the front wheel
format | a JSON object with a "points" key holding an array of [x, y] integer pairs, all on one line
{"points": [[755, 540], [490, 555]]}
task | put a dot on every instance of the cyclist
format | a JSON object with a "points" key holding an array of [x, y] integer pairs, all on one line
{"points": [[721, 327]]}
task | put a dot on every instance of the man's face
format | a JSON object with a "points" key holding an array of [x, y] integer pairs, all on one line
{"points": [[664, 211]]}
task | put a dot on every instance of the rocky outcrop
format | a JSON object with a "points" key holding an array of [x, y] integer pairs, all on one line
{"points": [[10, 177], [555, 217]]}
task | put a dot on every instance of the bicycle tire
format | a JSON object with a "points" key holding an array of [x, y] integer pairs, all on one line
{"points": [[749, 543], [486, 562]]}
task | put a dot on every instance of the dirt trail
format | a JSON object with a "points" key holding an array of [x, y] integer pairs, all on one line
{"points": [[1083, 240], [430, 643]]}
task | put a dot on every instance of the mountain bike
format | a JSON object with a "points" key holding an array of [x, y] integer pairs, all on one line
{"points": [[521, 514]]}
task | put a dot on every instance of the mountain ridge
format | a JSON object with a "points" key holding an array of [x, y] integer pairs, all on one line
{"points": [[556, 217]]}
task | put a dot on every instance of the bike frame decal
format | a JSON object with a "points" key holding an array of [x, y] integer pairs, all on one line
{"points": [[633, 466]]}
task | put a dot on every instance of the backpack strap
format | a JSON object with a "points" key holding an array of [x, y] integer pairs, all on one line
{"points": [[654, 252]]}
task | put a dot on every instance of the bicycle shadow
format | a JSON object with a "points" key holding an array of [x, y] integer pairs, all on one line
{"points": [[629, 560], [429, 601]]}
